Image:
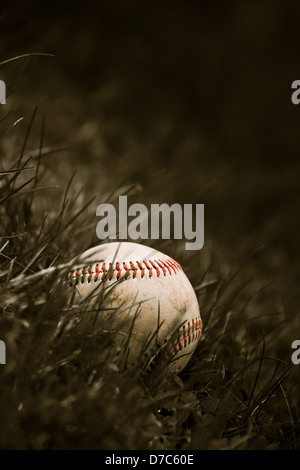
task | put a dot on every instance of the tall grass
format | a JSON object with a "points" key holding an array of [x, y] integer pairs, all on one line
{"points": [[64, 387]]}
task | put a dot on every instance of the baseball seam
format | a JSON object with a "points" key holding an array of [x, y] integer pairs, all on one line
{"points": [[164, 267], [187, 335], [190, 333]]}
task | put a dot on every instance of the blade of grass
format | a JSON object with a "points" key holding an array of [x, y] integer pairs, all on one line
{"points": [[29, 54]]}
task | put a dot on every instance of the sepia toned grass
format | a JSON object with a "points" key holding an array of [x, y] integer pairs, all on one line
{"points": [[64, 385]]}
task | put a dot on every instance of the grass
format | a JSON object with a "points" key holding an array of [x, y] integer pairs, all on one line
{"points": [[170, 104], [64, 387]]}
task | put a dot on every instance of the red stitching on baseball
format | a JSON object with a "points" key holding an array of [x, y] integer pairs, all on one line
{"points": [[162, 267], [157, 266], [149, 268], [167, 266], [119, 271], [133, 269], [172, 264], [142, 269], [103, 269]]}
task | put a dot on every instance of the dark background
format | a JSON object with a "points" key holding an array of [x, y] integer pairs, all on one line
{"points": [[190, 100]]}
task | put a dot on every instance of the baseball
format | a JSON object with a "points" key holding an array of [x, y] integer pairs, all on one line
{"points": [[146, 299]]}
